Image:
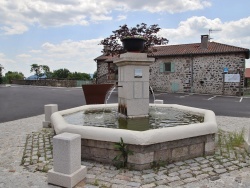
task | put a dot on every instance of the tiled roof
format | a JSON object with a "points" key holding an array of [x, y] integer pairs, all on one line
{"points": [[195, 49], [247, 73], [106, 58], [188, 49]]}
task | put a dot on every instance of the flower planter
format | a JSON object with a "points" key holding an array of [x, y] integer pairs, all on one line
{"points": [[96, 93], [133, 44]]}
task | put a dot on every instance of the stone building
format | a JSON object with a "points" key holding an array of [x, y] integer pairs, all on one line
{"points": [[195, 68]]}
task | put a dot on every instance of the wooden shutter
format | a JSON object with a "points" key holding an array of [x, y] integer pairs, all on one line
{"points": [[162, 67], [172, 67]]}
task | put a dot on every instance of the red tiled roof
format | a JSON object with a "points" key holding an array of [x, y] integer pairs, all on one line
{"points": [[247, 73], [195, 49], [106, 58], [188, 49]]}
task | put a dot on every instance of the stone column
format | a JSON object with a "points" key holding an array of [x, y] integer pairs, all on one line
{"points": [[49, 109], [133, 84], [247, 142], [67, 169]]}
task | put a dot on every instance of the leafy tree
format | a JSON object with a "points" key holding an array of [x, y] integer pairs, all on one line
{"points": [[39, 69], [61, 73], [112, 43], [13, 76], [79, 76], [95, 74]]}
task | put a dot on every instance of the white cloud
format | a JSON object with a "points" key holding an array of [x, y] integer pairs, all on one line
{"points": [[15, 28], [121, 17], [24, 56], [16, 16], [166, 5], [35, 51], [8, 64], [232, 33], [74, 55]]}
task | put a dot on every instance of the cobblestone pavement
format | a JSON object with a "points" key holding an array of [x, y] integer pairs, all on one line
{"points": [[26, 155]]}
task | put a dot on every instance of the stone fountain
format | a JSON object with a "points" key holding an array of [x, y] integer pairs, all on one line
{"points": [[165, 144]]}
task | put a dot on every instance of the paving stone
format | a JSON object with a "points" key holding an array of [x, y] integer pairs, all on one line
{"points": [[188, 180], [148, 185], [202, 176], [148, 180], [189, 161], [220, 171], [194, 164], [173, 178], [243, 164], [207, 169], [197, 172], [227, 164], [133, 184], [162, 182], [179, 163], [173, 174], [204, 161], [214, 178], [161, 186], [195, 168], [185, 176], [170, 166], [184, 171], [199, 159], [184, 167], [176, 183], [204, 165], [161, 177], [149, 175]]}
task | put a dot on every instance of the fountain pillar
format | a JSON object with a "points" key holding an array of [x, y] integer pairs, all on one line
{"points": [[133, 84]]}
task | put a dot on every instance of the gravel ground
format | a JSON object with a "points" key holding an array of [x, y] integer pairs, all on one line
{"points": [[13, 136]]}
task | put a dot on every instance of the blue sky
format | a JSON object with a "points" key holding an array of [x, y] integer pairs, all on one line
{"points": [[66, 33]]}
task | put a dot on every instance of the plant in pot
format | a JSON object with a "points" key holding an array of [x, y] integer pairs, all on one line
{"points": [[136, 39]]}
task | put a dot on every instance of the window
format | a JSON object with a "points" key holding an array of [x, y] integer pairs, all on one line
{"points": [[167, 67]]}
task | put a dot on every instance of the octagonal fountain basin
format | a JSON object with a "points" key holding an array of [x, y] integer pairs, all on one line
{"points": [[168, 144]]}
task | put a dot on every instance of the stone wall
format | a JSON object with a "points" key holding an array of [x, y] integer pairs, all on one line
{"points": [[207, 74], [145, 155], [53, 83], [102, 72]]}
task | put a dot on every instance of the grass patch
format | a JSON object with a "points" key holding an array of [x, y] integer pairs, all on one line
{"points": [[231, 142]]}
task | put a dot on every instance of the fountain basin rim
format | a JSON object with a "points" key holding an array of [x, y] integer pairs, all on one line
{"points": [[153, 136]]}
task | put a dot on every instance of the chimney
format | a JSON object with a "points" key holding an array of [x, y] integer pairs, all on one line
{"points": [[204, 41]]}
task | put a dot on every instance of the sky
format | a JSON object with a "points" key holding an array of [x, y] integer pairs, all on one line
{"points": [[66, 33]]}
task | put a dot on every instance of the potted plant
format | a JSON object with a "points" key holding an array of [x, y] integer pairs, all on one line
{"points": [[136, 39], [133, 44]]}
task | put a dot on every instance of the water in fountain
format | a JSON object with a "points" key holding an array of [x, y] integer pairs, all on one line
{"points": [[152, 92], [168, 117], [106, 102]]}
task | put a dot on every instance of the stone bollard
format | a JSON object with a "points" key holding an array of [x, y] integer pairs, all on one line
{"points": [[247, 142], [67, 169], [49, 109], [158, 101]]}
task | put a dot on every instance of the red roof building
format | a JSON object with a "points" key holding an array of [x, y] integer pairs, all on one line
{"points": [[196, 67]]}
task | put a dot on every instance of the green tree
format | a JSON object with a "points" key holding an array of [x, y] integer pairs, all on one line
{"points": [[13, 76], [61, 73], [39, 69], [79, 76], [95, 75]]}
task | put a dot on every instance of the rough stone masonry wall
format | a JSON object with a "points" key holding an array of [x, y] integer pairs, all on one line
{"points": [[207, 74], [144, 156], [53, 83], [102, 70]]}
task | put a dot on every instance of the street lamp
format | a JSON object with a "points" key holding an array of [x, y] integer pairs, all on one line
{"points": [[1, 68]]}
